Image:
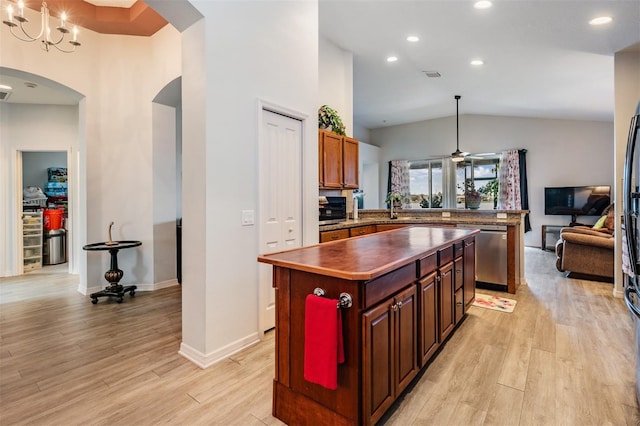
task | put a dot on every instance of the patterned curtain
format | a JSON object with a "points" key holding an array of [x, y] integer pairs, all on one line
{"points": [[399, 178], [509, 181]]}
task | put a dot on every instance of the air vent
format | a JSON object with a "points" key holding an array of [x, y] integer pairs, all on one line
{"points": [[4, 95], [432, 74]]}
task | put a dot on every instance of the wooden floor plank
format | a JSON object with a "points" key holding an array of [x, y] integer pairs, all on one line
{"points": [[564, 356]]}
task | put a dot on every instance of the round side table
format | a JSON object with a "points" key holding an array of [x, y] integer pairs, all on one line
{"points": [[113, 275]]}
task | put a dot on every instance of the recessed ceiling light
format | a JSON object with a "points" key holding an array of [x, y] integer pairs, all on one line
{"points": [[477, 62], [483, 4], [413, 39], [601, 20], [392, 59]]}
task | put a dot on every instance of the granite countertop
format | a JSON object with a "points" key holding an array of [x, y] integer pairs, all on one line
{"points": [[369, 256], [409, 217]]}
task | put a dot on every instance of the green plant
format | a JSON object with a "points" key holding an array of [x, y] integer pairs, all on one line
{"points": [[329, 118], [394, 197]]}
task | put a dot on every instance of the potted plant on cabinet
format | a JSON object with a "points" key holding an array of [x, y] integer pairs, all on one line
{"points": [[329, 119], [472, 198], [394, 198]]}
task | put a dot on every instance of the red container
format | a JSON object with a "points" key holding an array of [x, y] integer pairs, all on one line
{"points": [[52, 219]]}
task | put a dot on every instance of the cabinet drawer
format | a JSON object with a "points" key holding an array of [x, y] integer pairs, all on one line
{"points": [[458, 249], [362, 230], [426, 265], [383, 287], [445, 255], [334, 235]]}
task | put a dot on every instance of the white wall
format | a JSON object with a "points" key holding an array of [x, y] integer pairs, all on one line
{"points": [[560, 152], [119, 76], [240, 53], [336, 81], [627, 97], [369, 172], [164, 194], [36, 163]]}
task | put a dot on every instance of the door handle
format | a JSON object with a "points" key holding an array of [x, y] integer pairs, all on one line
{"points": [[627, 299]]}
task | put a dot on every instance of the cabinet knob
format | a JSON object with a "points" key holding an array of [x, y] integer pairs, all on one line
{"points": [[290, 229], [400, 304], [394, 306]]}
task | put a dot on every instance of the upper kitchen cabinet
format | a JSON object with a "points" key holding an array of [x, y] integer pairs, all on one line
{"points": [[337, 161]]}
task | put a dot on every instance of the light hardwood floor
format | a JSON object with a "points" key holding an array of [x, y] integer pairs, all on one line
{"points": [[564, 357]]}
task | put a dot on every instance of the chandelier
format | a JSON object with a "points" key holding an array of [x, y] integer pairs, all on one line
{"points": [[45, 35]]}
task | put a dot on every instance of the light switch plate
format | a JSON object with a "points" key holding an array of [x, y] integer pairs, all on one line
{"points": [[248, 217], [501, 215], [446, 214]]}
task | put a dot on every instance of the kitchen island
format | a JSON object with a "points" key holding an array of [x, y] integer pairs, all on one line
{"points": [[409, 289]]}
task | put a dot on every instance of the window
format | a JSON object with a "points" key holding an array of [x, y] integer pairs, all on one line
{"points": [[425, 184], [483, 173]]}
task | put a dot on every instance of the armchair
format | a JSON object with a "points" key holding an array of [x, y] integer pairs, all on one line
{"points": [[586, 253]]}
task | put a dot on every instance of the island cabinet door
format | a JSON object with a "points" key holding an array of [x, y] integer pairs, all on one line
{"points": [[406, 338], [469, 272], [428, 324], [390, 352], [445, 292], [378, 361]]}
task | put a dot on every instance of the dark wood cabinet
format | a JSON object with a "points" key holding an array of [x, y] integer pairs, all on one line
{"points": [[330, 152], [349, 163], [445, 293], [337, 161], [390, 355], [402, 309], [362, 230], [428, 325], [469, 272], [333, 235]]}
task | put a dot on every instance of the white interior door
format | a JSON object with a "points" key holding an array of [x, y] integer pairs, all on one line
{"points": [[280, 188]]}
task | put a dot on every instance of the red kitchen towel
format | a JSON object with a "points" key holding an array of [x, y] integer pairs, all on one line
{"points": [[323, 346]]}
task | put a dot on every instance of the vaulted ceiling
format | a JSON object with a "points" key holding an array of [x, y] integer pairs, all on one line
{"points": [[124, 17]]}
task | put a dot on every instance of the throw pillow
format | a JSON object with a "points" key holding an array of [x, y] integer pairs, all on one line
{"points": [[600, 223], [610, 222]]}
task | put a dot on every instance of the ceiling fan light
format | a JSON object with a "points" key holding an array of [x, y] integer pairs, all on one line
{"points": [[457, 156]]}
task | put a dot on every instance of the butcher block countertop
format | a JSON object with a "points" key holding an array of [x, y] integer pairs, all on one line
{"points": [[369, 256]]}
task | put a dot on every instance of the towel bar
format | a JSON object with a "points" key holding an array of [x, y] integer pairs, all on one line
{"points": [[345, 298]]}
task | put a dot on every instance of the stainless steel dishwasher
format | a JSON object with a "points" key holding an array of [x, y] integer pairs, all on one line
{"points": [[491, 254]]}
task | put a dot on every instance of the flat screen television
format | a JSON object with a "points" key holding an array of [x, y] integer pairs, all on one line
{"points": [[577, 200]]}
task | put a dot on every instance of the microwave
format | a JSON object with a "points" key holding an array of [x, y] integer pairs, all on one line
{"points": [[332, 209]]}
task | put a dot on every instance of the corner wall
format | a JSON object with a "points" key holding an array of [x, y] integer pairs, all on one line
{"points": [[238, 54], [627, 97]]}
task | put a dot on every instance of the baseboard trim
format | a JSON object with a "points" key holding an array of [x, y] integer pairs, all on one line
{"points": [[203, 360]]}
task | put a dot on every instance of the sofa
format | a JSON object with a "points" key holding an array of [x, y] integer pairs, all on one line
{"points": [[588, 252]]}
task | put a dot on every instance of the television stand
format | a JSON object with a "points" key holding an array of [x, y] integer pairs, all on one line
{"points": [[547, 229]]}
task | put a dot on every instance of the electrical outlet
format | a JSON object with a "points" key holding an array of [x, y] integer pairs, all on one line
{"points": [[248, 217], [501, 215], [446, 214]]}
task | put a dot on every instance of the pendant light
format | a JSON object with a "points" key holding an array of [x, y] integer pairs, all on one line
{"points": [[458, 156]]}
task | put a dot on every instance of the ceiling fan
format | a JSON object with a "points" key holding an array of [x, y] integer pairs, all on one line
{"points": [[458, 156]]}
